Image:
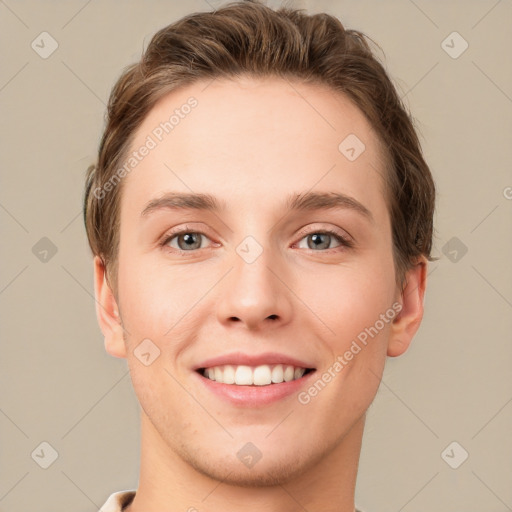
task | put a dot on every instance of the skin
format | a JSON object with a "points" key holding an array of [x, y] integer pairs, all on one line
{"points": [[251, 142]]}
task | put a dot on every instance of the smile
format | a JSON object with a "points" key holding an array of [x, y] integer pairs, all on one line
{"points": [[262, 375]]}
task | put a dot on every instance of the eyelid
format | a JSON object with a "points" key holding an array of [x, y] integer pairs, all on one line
{"points": [[346, 239], [169, 235]]}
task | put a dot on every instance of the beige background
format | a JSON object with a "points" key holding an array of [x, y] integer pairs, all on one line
{"points": [[59, 385]]}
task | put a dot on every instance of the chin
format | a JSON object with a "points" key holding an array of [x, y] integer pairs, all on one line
{"points": [[268, 471]]}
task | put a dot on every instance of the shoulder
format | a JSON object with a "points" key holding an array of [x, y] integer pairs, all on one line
{"points": [[117, 501]]}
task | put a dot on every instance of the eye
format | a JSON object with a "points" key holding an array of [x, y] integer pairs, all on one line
{"points": [[318, 240], [185, 241]]}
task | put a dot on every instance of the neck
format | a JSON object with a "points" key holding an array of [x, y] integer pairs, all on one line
{"points": [[168, 482]]}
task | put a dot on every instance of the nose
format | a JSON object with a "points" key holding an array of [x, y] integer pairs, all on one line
{"points": [[255, 294]]}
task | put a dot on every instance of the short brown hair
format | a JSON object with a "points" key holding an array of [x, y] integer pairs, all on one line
{"points": [[249, 38]]}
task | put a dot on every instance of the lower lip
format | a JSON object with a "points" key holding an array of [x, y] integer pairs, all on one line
{"points": [[254, 396]]}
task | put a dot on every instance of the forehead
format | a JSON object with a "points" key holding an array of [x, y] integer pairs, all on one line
{"points": [[249, 137]]}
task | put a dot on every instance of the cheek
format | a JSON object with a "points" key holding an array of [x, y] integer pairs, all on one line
{"points": [[349, 299], [152, 302], [350, 305]]}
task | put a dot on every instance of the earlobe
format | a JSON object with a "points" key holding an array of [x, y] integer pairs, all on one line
{"points": [[107, 312], [407, 322]]}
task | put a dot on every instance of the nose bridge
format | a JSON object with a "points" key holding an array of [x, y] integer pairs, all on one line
{"points": [[253, 294]]}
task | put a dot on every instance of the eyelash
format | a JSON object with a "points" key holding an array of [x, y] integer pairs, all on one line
{"points": [[344, 242]]}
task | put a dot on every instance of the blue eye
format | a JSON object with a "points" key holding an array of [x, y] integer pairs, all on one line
{"points": [[319, 241], [186, 240], [322, 240]]}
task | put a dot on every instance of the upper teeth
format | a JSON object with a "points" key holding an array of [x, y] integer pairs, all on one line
{"points": [[258, 375]]}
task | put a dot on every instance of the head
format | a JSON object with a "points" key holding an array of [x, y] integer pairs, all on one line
{"points": [[271, 117]]}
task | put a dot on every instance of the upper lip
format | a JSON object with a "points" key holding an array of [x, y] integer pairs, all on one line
{"points": [[238, 358]]}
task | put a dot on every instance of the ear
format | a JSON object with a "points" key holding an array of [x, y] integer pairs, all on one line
{"points": [[408, 320], [107, 312]]}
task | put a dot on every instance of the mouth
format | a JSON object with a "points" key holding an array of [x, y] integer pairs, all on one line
{"points": [[262, 375]]}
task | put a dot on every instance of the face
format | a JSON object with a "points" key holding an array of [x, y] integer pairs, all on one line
{"points": [[285, 258]]}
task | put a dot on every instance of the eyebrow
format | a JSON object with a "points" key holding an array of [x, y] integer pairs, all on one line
{"points": [[308, 201]]}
